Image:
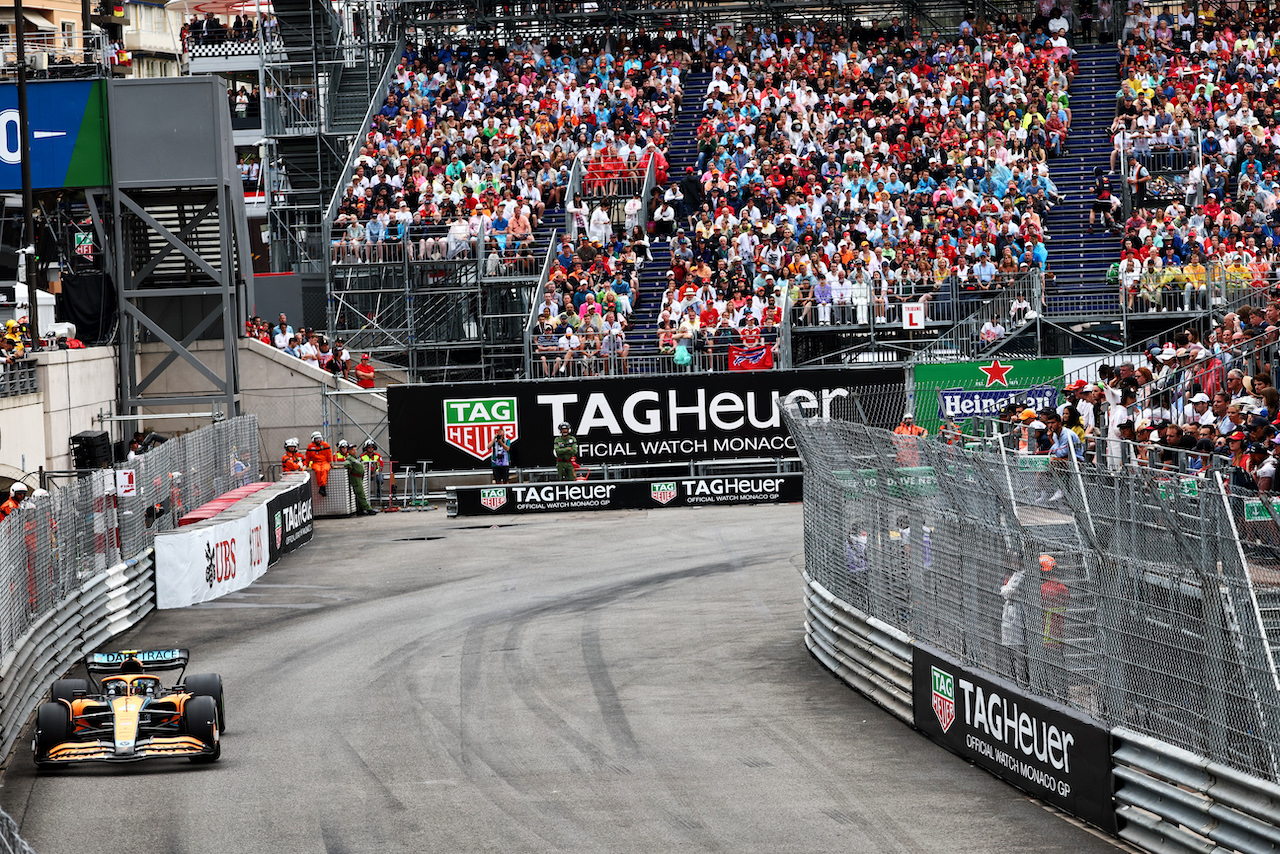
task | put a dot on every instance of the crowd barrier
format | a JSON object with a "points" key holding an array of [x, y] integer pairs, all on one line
{"points": [[1144, 703]]}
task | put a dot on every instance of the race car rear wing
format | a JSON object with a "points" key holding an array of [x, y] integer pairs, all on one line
{"points": [[136, 660]]}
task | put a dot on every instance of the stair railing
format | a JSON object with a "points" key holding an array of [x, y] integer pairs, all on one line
{"points": [[375, 104], [535, 305], [573, 188]]}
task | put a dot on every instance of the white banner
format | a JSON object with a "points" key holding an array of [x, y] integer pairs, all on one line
{"points": [[204, 561], [913, 315]]}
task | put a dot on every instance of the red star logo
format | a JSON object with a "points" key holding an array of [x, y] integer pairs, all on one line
{"points": [[995, 373]]}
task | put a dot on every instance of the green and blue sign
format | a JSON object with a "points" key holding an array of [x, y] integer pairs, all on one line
{"points": [[68, 125], [961, 391]]}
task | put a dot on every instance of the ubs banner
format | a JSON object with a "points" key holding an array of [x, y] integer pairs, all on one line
{"points": [[640, 494], [617, 421], [1043, 748]]}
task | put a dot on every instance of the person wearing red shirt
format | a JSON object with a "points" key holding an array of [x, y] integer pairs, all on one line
{"points": [[709, 318], [750, 331], [364, 372]]}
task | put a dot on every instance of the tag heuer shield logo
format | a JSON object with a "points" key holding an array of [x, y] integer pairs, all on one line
{"points": [[663, 492], [493, 498], [944, 698], [471, 423], [279, 529]]}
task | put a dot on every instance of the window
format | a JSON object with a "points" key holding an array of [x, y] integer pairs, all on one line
{"points": [[68, 35]]}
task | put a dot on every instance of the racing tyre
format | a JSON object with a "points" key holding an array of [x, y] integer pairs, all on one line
{"points": [[208, 685], [65, 689], [53, 727], [200, 719]]}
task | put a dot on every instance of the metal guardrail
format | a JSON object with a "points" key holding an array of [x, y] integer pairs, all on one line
{"points": [[101, 608], [1169, 799], [869, 654]]}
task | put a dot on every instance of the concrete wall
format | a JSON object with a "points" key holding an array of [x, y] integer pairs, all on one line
{"points": [[77, 386], [285, 394], [21, 436]]}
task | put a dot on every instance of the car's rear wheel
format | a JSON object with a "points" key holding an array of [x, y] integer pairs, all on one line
{"points": [[66, 689], [200, 719], [53, 727], [208, 685]]}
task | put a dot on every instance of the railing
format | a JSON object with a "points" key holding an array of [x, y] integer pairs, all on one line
{"points": [[572, 189], [967, 339], [57, 55], [530, 328], [375, 104], [504, 257], [19, 378]]}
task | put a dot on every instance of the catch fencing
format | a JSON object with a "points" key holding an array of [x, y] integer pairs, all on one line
{"points": [[1148, 622], [76, 561]]}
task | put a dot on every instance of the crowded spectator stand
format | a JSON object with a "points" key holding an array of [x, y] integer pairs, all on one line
{"points": [[1196, 99]]}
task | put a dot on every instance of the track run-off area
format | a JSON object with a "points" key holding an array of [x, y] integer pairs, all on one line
{"points": [[620, 682]]}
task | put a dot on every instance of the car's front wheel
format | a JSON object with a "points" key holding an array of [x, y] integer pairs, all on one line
{"points": [[208, 685], [53, 727], [200, 719]]}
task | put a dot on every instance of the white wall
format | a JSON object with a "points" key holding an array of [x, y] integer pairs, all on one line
{"points": [[77, 385], [21, 436]]}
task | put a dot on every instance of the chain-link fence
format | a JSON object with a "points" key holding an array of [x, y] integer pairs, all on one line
{"points": [[1125, 595], [55, 541]]}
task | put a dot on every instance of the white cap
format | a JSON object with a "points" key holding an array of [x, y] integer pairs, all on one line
{"points": [[316, 435], [18, 486], [1200, 398]]}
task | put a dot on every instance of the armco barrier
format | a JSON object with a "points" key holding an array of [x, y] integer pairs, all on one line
{"points": [[106, 605], [869, 654], [1170, 800]]}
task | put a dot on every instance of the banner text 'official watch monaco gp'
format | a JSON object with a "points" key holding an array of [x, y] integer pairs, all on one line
{"points": [[621, 421]]}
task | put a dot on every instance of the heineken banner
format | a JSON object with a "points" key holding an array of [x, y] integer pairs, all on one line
{"points": [[639, 494], [960, 391], [1044, 748], [619, 420]]}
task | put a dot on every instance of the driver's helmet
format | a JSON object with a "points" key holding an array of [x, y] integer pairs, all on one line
{"points": [[148, 687], [115, 687]]}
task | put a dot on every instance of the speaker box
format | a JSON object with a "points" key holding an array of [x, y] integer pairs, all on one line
{"points": [[91, 449]]}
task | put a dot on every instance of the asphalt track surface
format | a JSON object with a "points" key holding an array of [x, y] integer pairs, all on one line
{"points": [[595, 682]]}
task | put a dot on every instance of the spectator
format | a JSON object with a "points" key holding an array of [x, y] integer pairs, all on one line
{"points": [[365, 372]]}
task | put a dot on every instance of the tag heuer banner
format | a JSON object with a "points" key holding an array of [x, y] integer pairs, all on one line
{"points": [[963, 390], [289, 518], [617, 420], [1046, 749], [637, 494]]}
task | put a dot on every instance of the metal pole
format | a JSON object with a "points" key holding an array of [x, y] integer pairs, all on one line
{"points": [[86, 31], [24, 153]]}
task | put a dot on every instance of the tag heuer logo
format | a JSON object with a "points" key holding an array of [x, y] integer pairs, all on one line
{"points": [[944, 698], [279, 529], [663, 492], [493, 498], [471, 424]]}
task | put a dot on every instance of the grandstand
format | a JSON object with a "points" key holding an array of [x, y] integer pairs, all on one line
{"points": [[594, 120]]}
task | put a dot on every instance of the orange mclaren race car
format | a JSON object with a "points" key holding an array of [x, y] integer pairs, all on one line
{"points": [[131, 716]]}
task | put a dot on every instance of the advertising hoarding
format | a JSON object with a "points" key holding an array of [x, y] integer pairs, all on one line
{"points": [[618, 421]]}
